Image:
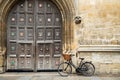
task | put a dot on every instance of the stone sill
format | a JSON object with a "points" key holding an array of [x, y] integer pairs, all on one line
{"points": [[83, 48]]}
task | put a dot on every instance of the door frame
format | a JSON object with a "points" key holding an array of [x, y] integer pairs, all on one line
{"points": [[67, 12]]}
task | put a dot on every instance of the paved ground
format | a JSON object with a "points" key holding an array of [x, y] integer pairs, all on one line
{"points": [[52, 76]]}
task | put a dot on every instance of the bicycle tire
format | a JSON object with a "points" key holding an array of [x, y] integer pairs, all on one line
{"points": [[64, 69], [78, 71], [88, 69]]}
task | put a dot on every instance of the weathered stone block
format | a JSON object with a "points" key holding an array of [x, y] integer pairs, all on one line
{"points": [[1, 70], [114, 42], [1, 60]]}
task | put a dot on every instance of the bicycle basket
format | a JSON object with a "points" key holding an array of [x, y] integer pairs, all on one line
{"points": [[67, 57]]}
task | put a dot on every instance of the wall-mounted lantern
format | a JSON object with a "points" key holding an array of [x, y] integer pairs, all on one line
{"points": [[77, 19]]}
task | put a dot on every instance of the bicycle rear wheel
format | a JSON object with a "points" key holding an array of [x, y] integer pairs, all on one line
{"points": [[88, 69], [64, 69]]}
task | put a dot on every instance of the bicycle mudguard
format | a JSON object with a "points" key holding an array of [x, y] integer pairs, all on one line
{"points": [[89, 62]]}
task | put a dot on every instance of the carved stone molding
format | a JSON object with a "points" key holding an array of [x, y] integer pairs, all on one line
{"points": [[100, 48]]}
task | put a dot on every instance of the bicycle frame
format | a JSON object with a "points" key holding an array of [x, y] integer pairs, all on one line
{"points": [[75, 67], [71, 63]]}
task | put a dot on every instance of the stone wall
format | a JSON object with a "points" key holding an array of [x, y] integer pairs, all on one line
{"points": [[100, 22], [105, 62], [97, 38]]}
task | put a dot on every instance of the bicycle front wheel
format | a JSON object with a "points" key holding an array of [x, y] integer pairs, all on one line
{"points": [[64, 69]]}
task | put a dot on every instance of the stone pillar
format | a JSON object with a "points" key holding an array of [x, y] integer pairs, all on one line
{"points": [[2, 60]]}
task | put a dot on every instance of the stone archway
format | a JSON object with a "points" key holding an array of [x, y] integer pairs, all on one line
{"points": [[66, 9]]}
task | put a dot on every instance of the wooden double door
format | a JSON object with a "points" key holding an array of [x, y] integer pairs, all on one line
{"points": [[34, 36]]}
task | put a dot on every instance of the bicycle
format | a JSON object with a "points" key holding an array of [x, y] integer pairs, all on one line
{"points": [[85, 68]]}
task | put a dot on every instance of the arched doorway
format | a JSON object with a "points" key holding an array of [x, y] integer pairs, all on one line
{"points": [[34, 36]]}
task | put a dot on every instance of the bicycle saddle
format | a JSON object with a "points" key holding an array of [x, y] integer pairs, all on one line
{"points": [[81, 58]]}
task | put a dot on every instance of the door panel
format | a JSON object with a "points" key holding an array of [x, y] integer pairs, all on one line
{"points": [[40, 49], [28, 62], [30, 19], [57, 34], [57, 49], [13, 33], [12, 48], [40, 34], [30, 6], [22, 6], [30, 34], [22, 19], [41, 6], [29, 50], [49, 7], [40, 19], [21, 49], [13, 19], [21, 62], [57, 19], [12, 62], [49, 19], [48, 49], [49, 34], [55, 62], [40, 63], [47, 63], [34, 36], [21, 33]]}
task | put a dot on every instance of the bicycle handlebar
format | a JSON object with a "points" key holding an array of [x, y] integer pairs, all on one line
{"points": [[72, 55]]}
